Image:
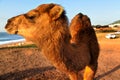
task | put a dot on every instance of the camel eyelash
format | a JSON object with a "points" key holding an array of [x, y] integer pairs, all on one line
{"points": [[30, 17]]}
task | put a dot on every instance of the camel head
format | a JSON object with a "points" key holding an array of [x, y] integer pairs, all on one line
{"points": [[35, 21]]}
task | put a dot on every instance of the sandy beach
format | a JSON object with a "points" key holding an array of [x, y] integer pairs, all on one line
{"points": [[30, 64]]}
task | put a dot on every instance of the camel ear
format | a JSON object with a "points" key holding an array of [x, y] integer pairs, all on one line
{"points": [[56, 12]]}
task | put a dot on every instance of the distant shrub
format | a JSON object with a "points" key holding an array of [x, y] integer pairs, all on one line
{"points": [[23, 46], [108, 30], [104, 30]]}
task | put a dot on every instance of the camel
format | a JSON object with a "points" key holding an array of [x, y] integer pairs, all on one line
{"points": [[47, 27]]}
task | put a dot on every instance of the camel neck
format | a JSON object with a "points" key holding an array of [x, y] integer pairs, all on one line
{"points": [[53, 47]]}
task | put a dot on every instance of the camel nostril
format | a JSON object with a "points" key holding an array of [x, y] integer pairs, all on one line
{"points": [[9, 21]]}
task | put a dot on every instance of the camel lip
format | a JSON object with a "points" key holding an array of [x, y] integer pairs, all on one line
{"points": [[10, 31]]}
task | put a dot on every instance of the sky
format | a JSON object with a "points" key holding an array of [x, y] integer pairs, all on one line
{"points": [[101, 12]]}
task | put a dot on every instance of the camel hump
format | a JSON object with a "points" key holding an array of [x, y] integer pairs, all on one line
{"points": [[80, 28]]}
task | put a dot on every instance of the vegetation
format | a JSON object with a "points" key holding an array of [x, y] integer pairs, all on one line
{"points": [[107, 30], [23, 46], [116, 22]]}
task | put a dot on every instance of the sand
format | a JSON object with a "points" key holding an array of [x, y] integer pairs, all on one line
{"points": [[30, 64]]}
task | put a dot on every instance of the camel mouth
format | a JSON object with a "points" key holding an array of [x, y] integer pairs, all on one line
{"points": [[11, 30], [16, 32]]}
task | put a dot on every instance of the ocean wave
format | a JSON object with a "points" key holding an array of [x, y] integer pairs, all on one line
{"points": [[11, 41], [6, 38]]}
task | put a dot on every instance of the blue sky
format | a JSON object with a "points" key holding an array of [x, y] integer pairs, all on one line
{"points": [[100, 11]]}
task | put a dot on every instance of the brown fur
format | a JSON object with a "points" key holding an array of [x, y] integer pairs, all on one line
{"points": [[82, 32], [47, 27]]}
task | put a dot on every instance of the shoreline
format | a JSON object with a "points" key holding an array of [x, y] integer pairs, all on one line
{"points": [[18, 43]]}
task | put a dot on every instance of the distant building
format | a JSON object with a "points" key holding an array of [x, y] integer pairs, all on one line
{"points": [[114, 25]]}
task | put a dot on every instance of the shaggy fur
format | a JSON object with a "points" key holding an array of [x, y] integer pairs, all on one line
{"points": [[82, 32], [47, 27]]}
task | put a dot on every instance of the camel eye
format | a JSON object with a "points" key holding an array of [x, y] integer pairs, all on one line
{"points": [[32, 17]]}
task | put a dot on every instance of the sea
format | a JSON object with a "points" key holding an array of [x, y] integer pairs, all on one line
{"points": [[6, 38]]}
